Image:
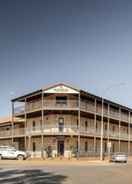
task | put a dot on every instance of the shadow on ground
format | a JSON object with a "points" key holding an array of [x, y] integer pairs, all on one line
{"points": [[35, 176]]}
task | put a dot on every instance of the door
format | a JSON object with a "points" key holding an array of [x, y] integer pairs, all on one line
{"points": [[60, 148], [61, 124]]}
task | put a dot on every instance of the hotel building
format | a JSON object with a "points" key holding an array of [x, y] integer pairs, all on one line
{"points": [[63, 120]]}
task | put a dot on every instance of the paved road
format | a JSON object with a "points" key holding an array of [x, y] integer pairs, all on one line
{"points": [[65, 174]]}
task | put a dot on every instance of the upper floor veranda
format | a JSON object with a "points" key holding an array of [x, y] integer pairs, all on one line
{"points": [[62, 97]]}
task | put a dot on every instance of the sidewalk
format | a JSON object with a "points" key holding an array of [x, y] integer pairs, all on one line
{"points": [[56, 162]]}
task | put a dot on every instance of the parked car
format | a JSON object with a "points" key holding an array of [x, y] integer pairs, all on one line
{"points": [[119, 157], [12, 153]]}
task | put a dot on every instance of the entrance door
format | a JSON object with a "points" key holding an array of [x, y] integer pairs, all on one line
{"points": [[60, 148]]}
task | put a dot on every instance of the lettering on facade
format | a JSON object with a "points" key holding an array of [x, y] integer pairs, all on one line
{"points": [[61, 89]]}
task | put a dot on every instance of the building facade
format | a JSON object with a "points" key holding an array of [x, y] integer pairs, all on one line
{"points": [[61, 120]]}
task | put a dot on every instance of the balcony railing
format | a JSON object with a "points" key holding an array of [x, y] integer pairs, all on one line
{"points": [[60, 104], [85, 106], [63, 130], [52, 129], [5, 133], [113, 134], [114, 114], [124, 117], [33, 106], [70, 104], [18, 131]]}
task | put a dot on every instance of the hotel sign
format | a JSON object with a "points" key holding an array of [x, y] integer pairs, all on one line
{"points": [[61, 89]]}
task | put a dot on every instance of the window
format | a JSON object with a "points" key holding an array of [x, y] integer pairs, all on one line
{"points": [[105, 127], [96, 126], [113, 147], [86, 146], [34, 146], [113, 128], [61, 100], [77, 146], [34, 124], [77, 123], [105, 147], [86, 125]]}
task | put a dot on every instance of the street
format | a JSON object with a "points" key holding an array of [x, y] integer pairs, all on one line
{"points": [[15, 172]]}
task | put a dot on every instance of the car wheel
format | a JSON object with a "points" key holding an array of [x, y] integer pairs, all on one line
{"points": [[20, 157], [0, 157]]}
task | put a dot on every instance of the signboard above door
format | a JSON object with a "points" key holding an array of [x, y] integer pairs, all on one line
{"points": [[61, 89]]}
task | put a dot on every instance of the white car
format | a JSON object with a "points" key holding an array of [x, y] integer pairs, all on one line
{"points": [[119, 157], [12, 153]]}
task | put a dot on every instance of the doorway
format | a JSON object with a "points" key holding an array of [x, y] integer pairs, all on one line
{"points": [[60, 148]]}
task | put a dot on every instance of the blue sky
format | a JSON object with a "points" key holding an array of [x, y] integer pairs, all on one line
{"points": [[86, 43]]}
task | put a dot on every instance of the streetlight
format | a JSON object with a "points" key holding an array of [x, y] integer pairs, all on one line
{"points": [[102, 119]]}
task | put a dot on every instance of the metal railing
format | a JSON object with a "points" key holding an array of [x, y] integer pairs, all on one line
{"points": [[5, 133], [18, 131], [57, 104], [85, 106], [70, 104], [63, 130]]}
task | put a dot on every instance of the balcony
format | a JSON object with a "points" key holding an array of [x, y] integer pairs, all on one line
{"points": [[48, 104], [114, 114], [60, 104], [18, 131], [53, 130], [124, 135], [62, 130], [114, 134], [87, 106], [124, 117], [5, 133]]}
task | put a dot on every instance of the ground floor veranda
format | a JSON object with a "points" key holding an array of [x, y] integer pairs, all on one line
{"points": [[66, 146]]}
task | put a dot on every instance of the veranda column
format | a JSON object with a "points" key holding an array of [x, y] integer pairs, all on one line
{"points": [[129, 133], [25, 124], [95, 127], [102, 131], [78, 155], [42, 121], [12, 123], [119, 129], [108, 127]]}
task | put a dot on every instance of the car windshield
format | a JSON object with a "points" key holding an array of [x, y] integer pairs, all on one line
{"points": [[120, 154], [11, 149]]}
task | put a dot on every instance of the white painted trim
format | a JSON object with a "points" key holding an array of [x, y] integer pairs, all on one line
{"points": [[61, 89]]}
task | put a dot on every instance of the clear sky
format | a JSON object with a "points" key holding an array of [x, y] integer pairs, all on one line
{"points": [[87, 43]]}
